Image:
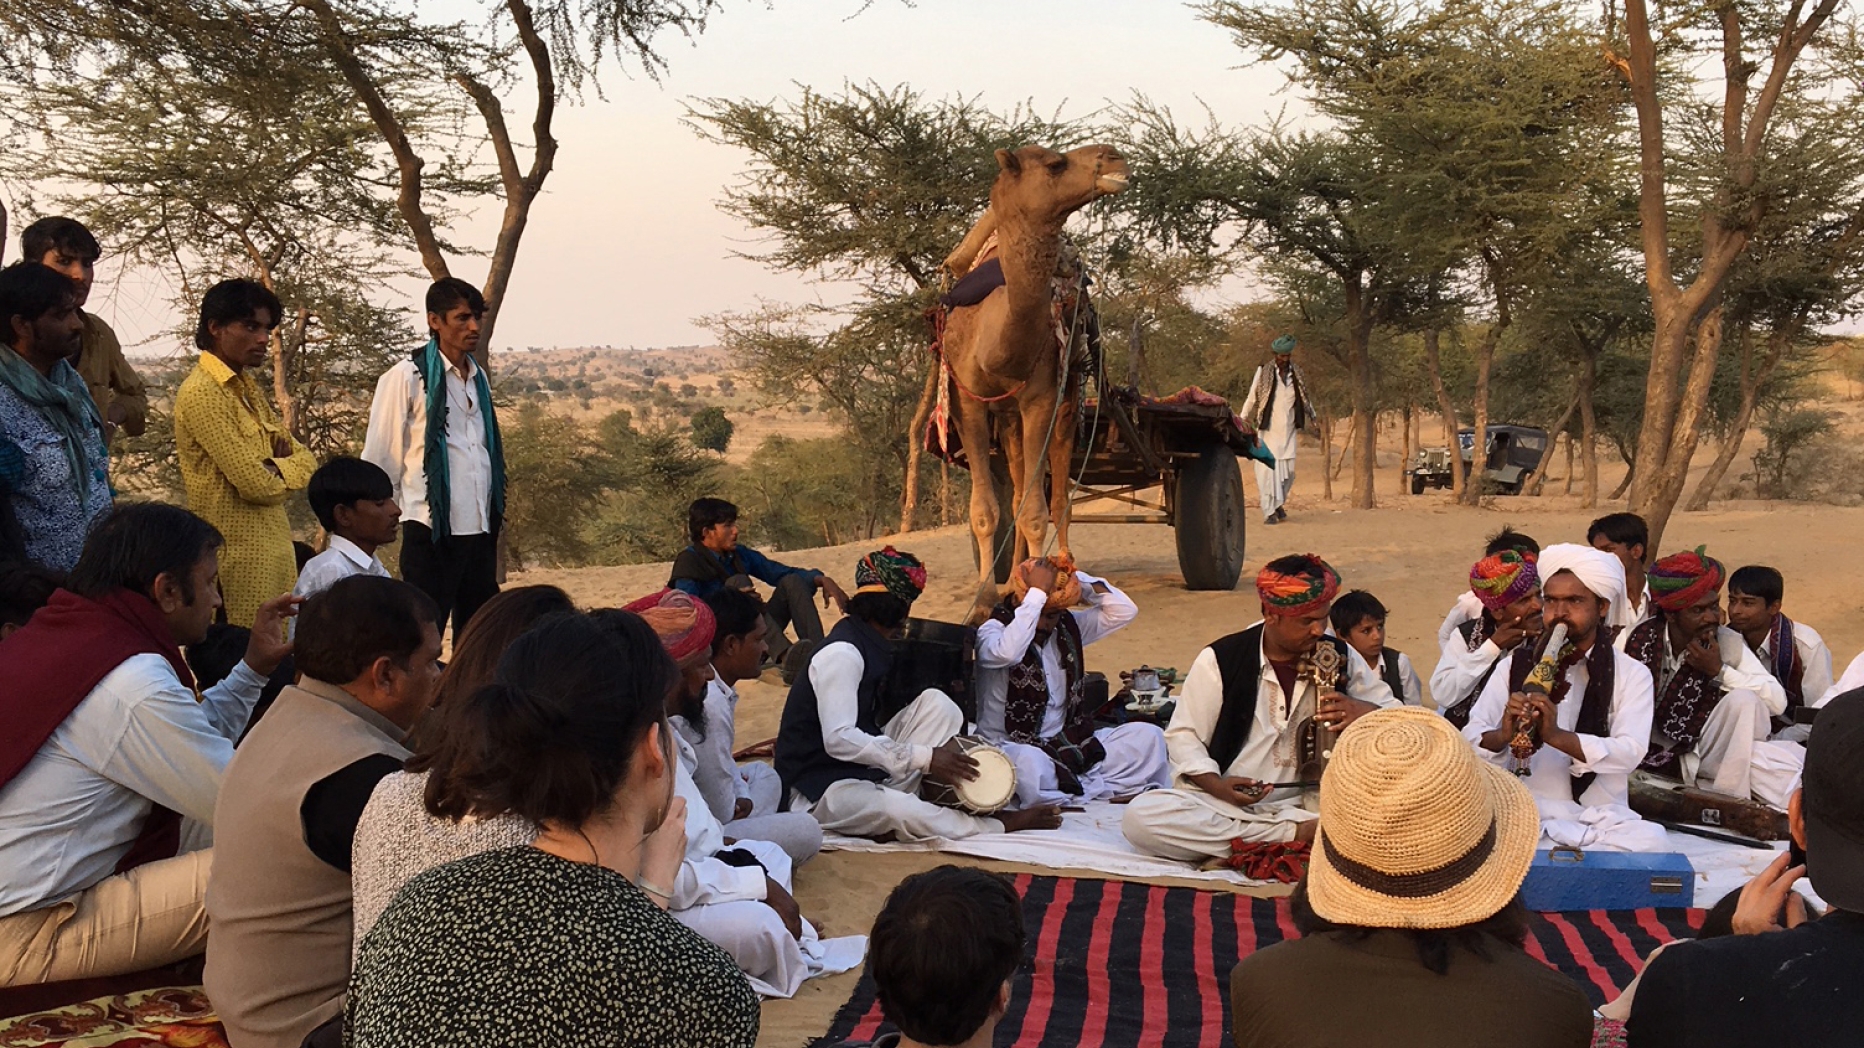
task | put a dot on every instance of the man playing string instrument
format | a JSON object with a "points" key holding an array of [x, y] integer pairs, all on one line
{"points": [[1714, 698], [1593, 728], [1031, 699], [1508, 586], [1235, 738]]}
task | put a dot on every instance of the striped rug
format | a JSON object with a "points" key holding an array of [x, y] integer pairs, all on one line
{"points": [[1120, 964]]}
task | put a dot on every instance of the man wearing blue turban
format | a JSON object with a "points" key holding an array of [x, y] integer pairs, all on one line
{"points": [[1279, 408]]}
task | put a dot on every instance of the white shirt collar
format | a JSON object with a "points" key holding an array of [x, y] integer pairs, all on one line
{"points": [[350, 551]]}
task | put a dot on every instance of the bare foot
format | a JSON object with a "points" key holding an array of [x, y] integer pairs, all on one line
{"points": [[1304, 831], [1045, 817]]}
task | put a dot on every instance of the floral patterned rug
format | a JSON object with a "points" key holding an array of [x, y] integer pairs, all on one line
{"points": [[172, 1017]]}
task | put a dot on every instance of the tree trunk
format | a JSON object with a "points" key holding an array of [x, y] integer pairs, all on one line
{"points": [[1346, 446], [1589, 427], [1434, 361], [1546, 457], [1619, 491], [915, 446], [1404, 450], [1662, 485], [1752, 379], [1326, 457], [1359, 357], [285, 347], [1569, 465], [1479, 449]]}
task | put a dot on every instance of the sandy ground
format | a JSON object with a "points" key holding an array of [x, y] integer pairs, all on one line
{"points": [[1414, 554]]}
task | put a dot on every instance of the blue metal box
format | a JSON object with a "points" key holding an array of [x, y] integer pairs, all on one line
{"points": [[1569, 879]]}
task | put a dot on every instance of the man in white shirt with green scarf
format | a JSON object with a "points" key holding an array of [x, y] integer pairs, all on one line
{"points": [[433, 431]]}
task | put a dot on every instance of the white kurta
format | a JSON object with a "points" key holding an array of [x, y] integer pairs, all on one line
{"points": [[1185, 822], [1135, 757], [1733, 755], [1275, 482], [1602, 817], [725, 904], [1468, 606], [1459, 670], [903, 750], [1814, 682], [723, 782], [1851, 680]]}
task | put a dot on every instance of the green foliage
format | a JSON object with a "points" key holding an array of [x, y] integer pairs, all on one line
{"points": [[711, 429], [803, 493], [552, 466], [1778, 466]]}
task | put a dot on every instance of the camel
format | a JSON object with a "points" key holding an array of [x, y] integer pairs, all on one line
{"points": [[1004, 353]]}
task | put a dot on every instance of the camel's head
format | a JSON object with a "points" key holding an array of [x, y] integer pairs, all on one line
{"points": [[1044, 184]]}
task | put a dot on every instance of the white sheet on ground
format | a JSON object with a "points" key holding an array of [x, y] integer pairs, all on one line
{"points": [[1092, 841]]}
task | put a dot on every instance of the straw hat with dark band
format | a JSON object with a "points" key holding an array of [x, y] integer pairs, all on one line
{"points": [[1416, 831]]}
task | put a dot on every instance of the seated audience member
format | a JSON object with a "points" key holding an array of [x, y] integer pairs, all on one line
{"points": [[942, 954], [355, 502], [746, 798], [1235, 735], [715, 560], [24, 589], [1468, 606], [1580, 770], [401, 833], [1627, 537], [1359, 619], [736, 895], [1412, 908], [107, 743], [54, 469], [279, 897], [1031, 695], [1792, 652], [1780, 979], [1508, 585], [857, 773], [1714, 698], [564, 941]]}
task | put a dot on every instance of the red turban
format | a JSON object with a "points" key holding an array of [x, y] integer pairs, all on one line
{"points": [[1681, 580], [1300, 593], [684, 623]]}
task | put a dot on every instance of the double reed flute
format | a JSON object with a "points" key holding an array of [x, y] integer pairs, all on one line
{"points": [[1540, 680]]}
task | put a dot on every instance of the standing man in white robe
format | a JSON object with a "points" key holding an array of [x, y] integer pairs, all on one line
{"points": [[1279, 408], [1236, 731], [1595, 727], [1715, 701], [1030, 701]]}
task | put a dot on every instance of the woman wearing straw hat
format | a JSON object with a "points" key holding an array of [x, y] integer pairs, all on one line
{"points": [[1411, 905]]}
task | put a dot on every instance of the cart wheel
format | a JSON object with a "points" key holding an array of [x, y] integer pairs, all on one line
{"points": [[1004, 545], [1417, 484], [1209, 527]]}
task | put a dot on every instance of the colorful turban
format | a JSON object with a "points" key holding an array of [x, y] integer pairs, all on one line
{"points": [[1283, 345], [1067, 591], [890, 571], [1681, 580], [1294, 595], [684, 623], [1504, 578]]}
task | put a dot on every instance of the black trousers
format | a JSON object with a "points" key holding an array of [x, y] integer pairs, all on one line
{"points": [[460, 573], [792, 604]]}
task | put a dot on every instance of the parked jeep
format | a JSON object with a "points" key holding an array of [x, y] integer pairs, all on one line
{"points": [[1514, 453]]}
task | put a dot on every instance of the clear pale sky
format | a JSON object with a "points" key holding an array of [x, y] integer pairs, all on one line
{"points": [[627, 245]]}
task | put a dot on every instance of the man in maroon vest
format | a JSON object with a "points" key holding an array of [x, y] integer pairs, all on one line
{"points": [[107, 747]]}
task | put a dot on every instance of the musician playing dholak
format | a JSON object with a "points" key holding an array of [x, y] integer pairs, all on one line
{"points": [[1593, 727], [1031, 698], [855, 775], [1237, 731]]}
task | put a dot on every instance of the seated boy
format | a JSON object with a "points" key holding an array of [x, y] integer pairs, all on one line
{"points": [[941, 956], [1792, 652], [1359, 619]]}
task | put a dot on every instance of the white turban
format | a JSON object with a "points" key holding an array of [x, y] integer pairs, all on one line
{"points": [[1597, 570]]}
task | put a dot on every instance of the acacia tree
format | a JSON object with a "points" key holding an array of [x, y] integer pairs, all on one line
{"points": [[1686, 290]]}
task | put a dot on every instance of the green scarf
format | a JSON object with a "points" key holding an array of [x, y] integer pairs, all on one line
{"points": [[66, 403], [432, 366]]}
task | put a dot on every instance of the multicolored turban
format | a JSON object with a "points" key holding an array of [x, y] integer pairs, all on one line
{"points": [[684, 623], [1681, 580], [1283, 345], [1504, 578], [1295, 595], [890, 571], [1067, 591]]}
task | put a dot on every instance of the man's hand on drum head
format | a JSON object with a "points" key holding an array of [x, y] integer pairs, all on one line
{"points": [[951, 765], [1041, 817]]}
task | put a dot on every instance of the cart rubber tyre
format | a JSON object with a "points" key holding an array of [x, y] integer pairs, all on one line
{"points": [[1209, 527], [1004, 545]]}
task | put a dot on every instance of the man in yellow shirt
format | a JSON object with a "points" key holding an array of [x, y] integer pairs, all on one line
{"points": [[65, 245], [238, 462]]}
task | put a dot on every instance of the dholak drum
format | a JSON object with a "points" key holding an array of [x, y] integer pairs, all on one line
{"points": [[992, 790]]}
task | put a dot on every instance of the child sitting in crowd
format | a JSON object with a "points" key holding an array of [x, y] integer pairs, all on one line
{"points": [[1359, 619]]}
